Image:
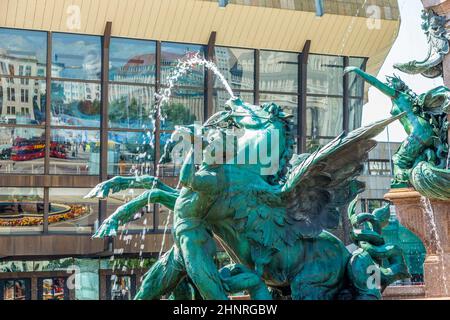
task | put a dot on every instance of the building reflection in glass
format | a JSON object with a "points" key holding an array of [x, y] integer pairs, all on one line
{"points": [[21, 209], [130, 153], [22, 150], [75, 104], [76, 152], [132, 61], [237, 66]]}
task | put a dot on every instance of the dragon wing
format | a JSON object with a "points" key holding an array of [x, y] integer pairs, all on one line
{"points": [[319, 185]]}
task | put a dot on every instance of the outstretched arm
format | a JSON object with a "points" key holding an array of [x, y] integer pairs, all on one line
{"points": [[116, 184], [373, 81], [126, 212]]}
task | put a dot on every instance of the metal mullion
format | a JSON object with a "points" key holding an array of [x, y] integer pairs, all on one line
{"points": [[132, 84], [185, 87], [345, 105], [256, 77], [129, 84], [23, 77], [76, 80], [33, 126], [76, 128], [48, 114], [157, 128], [236, 90], [302, 101], [279, 93], [209, 78], [127, 130], [103, 171], [320, 95]]}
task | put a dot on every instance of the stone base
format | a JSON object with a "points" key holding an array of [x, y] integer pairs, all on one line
{"points": [[404, 292], [412, 213]]}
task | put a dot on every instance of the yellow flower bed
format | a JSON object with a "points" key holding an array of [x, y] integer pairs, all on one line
{"points": [[75, 211]]}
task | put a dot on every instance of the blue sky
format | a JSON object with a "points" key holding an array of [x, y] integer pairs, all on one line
{"points": [[411, 44]]}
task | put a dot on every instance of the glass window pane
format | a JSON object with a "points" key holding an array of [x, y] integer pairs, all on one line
{"points": [[379, 168], [356, 83], [130, 153], [75, 104], [130, 106], [70, 212], [237, 66], [165, 219], [23, 52], [171, 169], [121, 287], [324, 117], [76, 56], [355, 113], [278, 71], [75, 152], [54, 289], [22, 150], [143, 217], [325, 74], [21, 210], [132, 60], [22, 101], [220, 97], [184, 107], [171, 53], [287, 102], [17, 289]]}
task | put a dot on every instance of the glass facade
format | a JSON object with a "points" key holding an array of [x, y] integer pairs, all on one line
{"points": [[132, 61], [74, 152], [70, 212], [21, 210], [96, 113], [334, 101], [76, 56], [278, 71]]}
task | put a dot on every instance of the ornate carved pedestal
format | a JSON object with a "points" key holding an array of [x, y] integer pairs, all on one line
{"points": [[412, 213]]}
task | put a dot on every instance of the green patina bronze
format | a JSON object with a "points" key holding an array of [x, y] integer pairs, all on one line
{"points": [[434, 27], [271, 223], [423, 158]]}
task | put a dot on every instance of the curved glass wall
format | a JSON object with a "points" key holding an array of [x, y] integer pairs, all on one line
{"points": [[74, 128]]}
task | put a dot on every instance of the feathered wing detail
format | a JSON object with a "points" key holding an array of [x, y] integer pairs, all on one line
{"points": [[320, 185], [430, 181]]}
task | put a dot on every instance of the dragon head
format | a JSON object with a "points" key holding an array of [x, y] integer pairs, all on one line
{"points": [[254, 126], [240, 114]]}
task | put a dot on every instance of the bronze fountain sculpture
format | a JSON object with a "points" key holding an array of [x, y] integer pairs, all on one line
{"points": [[273, 225]]}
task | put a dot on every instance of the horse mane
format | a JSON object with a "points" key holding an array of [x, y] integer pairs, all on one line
{"points": [[288, 125]]}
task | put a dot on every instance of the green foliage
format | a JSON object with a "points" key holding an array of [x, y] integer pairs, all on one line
{"points": [[178, 114]]}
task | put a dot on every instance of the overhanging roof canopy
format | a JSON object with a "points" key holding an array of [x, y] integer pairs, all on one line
{"points": [[274, 27]]}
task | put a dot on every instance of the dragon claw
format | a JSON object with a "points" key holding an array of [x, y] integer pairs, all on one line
{"points": [[107, 229], [101, 191]]}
